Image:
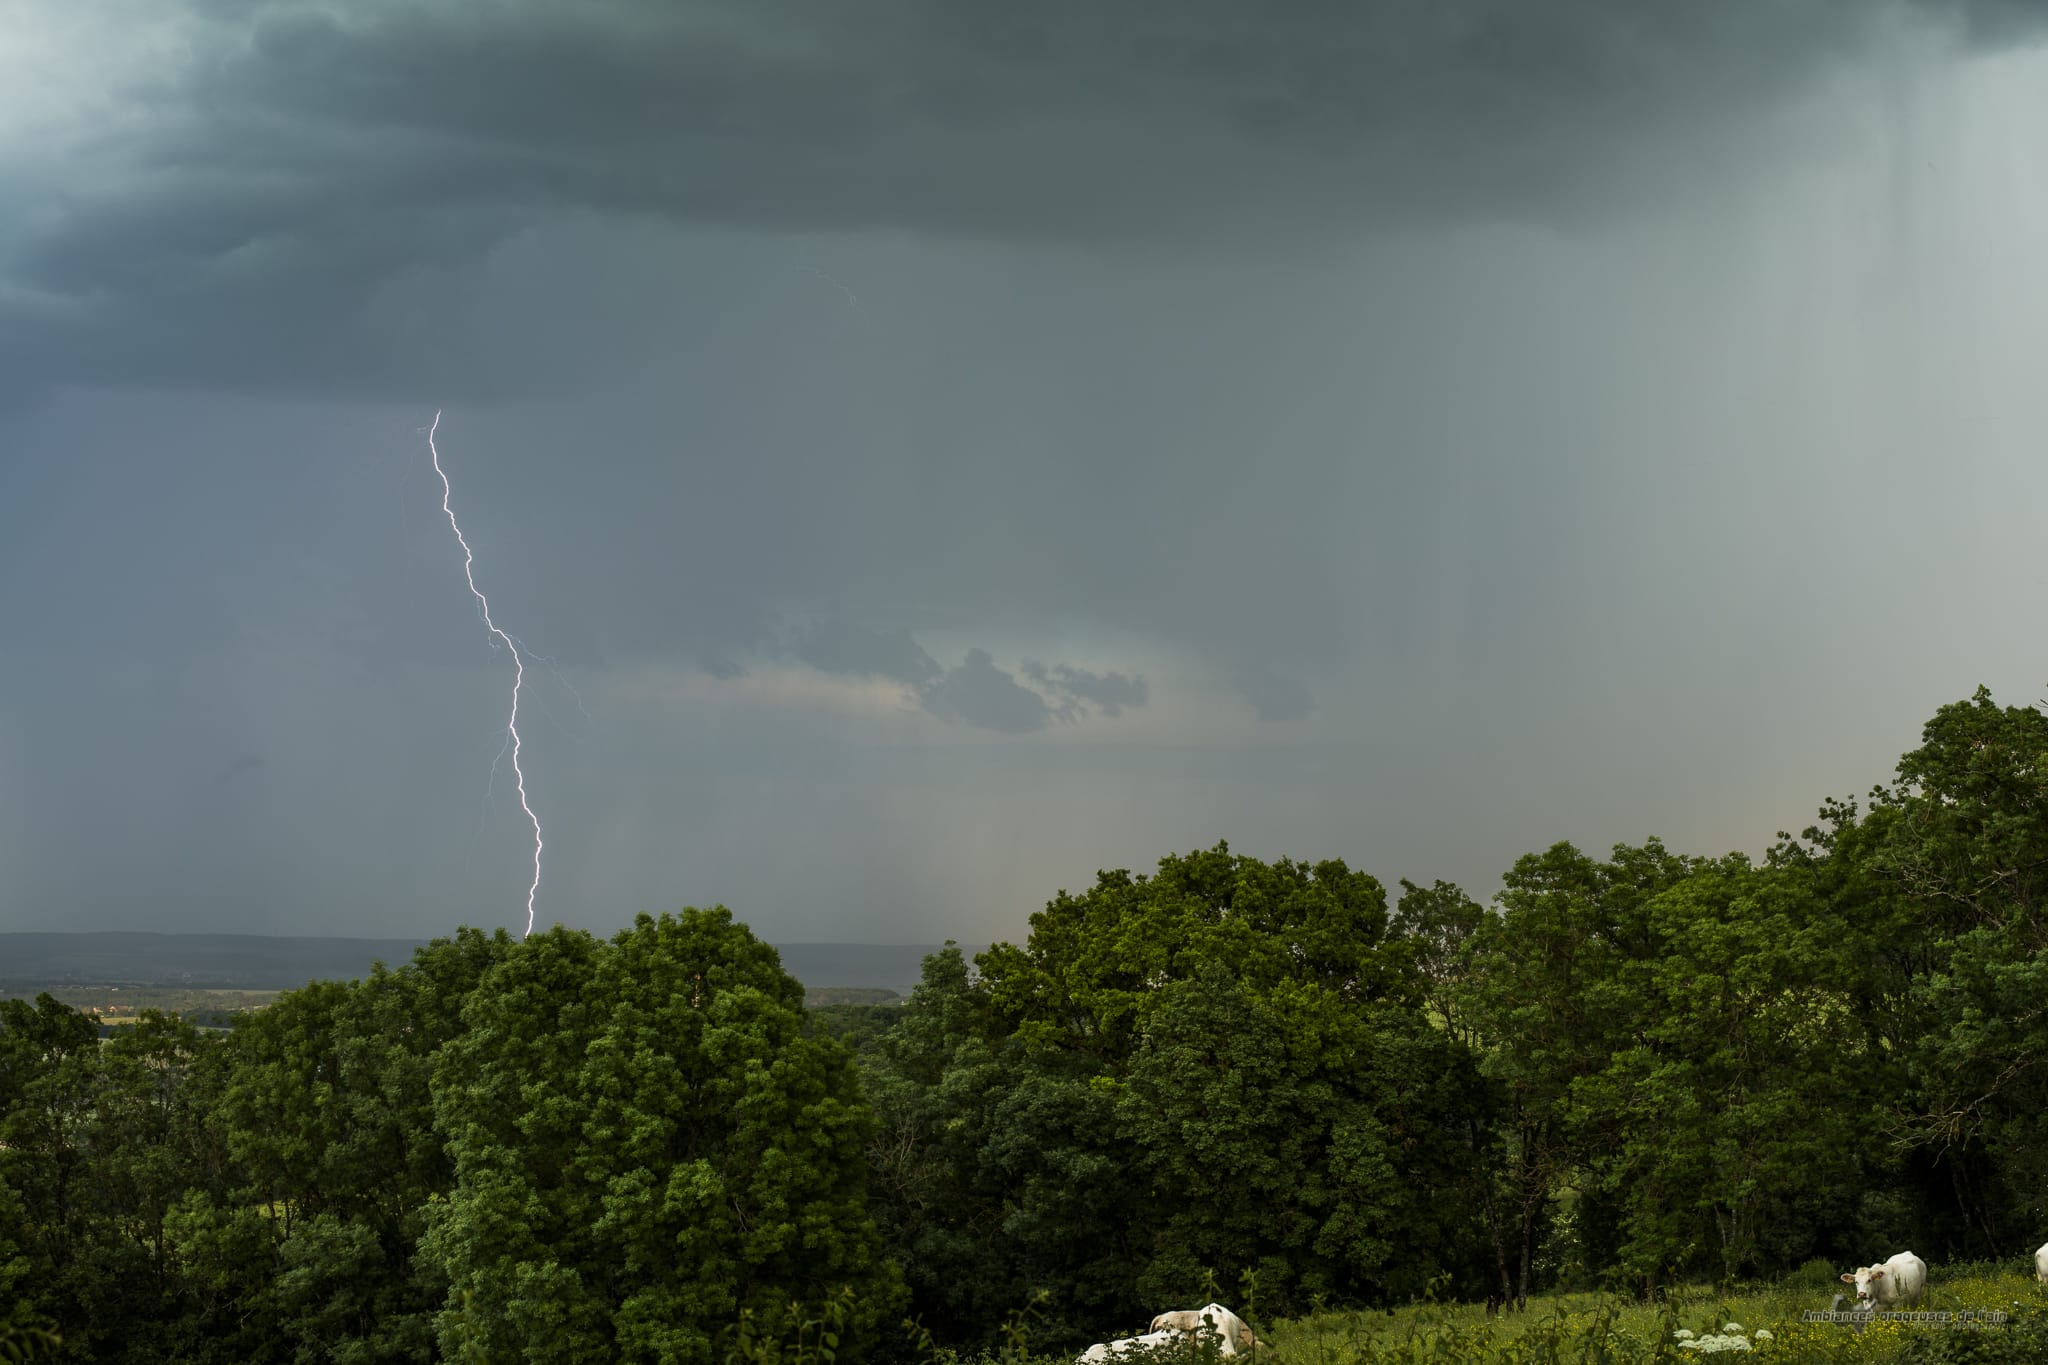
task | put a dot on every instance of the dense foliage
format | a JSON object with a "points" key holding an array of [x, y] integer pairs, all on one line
{"points": [[1225, 1077]]}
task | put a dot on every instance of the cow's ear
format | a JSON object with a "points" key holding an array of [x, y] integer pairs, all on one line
{"points": [[1848, 1279], [1878, 1273]]}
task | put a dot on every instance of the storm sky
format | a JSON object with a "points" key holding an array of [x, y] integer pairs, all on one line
{"points": [[934, 449]]}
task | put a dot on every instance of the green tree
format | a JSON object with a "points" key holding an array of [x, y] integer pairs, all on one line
{"points": [[1547, 990], [1220, 1068], [1944, 882], [328, 1118], [1092, 962], [49, 1056], [1299, 1135], [1438, 921], [936, 1083], [648, 1142], [1736, 1097]]}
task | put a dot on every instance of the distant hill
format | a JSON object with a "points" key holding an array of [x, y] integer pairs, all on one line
{"points": [[211, 961], [267, 962], [892, 966]]}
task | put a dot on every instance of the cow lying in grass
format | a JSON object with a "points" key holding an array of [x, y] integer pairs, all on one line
{"points": [[1104, 1351], [1189, 1326], [1236, 1334]]}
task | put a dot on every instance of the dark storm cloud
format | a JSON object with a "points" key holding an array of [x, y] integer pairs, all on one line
{"points": [[1108, 693], [976, 692], [841, 647], [305, 159], [980, 694]]}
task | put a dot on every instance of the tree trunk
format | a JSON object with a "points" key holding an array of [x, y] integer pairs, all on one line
{"points": [[1528, 1251], [1496, 1231], [1972, 1209], [1532, 1201], [1500, 1250]]}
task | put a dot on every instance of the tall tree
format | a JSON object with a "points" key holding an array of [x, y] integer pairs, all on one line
{"points": [[1219, 1068], [1961, 840], [1737, 1094], [49, 1060], [1547, 991], [331, 1119], [1340, 1129], [647, 1142]]}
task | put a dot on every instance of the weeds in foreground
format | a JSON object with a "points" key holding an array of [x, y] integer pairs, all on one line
{"points": [[1691, 1324]]}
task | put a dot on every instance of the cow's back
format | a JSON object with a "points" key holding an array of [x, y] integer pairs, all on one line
{"points": [[1908, 1276]]}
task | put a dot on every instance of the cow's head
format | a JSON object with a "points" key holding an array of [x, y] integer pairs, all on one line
{"points": [[1869, 1282], [1236, 1333]]}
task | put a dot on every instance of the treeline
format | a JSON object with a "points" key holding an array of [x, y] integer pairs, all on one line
{"points": [[1270, 1081]]}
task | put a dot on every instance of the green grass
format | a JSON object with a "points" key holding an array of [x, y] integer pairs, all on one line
{"points": [[1620, 1331]]}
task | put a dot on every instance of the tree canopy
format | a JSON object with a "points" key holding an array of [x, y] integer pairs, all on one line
{"points": [[1227, 1076]]}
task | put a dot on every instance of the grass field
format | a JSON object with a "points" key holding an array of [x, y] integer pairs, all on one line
{"points": [[1604, 1329], [121, 1004], [1598, 1327]]}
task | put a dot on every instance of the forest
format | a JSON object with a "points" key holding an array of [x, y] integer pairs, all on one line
{"points": [[1281, 1083]]}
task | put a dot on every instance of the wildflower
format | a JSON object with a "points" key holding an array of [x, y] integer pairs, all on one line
{"points": [[1763, 1334], [1714, 1345]]}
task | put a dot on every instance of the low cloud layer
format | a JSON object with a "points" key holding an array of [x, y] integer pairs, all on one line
{"points": [[974, 692], [267, 194], [1108, 693]]}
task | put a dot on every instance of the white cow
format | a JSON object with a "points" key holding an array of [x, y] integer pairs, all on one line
{"points": [[1902, 1279], [1104, 1351], [2041, 1263], [1235, 1333]]}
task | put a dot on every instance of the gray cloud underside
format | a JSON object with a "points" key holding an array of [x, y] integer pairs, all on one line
{"points": [[1108, 693], [975, 691], [833, 646], [981, 694], [302, 158]]}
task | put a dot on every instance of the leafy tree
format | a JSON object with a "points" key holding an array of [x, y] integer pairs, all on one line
{"points": [[936, 1083], [647, 1143], [330, 1119], [1092, 962], [1944, 883], [1547, 992], [146, 1143], [1291, 1133], [1738, 1095], [1224, 1067], [49, 1054], [1438, 921]]}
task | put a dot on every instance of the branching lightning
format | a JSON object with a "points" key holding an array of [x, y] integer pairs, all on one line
{"points": [[518, 665]]}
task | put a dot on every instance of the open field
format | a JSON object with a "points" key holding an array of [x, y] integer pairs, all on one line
{"points": [[817, 996], [1604, 1327], [121, 1004]]}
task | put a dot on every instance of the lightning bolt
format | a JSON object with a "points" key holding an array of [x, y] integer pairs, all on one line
{"points": [[518, 664]]}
